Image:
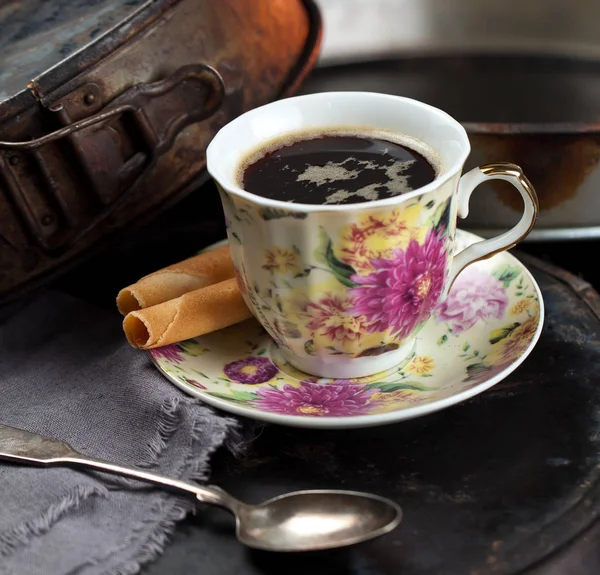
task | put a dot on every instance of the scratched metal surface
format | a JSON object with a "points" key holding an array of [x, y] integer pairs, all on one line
{"points": [[37, 34]]}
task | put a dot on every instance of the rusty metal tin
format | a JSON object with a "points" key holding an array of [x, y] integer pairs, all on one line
{"points": [[563, 160], [111, 125]]}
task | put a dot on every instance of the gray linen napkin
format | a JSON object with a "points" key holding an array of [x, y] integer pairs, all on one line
{"points": [[66, 372]]}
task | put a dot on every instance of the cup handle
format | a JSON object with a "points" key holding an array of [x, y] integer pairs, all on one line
{"points": [[488, 248]]}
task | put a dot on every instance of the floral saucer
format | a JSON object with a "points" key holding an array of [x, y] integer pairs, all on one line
{"points": [[484, 330]]}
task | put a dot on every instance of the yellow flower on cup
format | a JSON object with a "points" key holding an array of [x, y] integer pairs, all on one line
{"points": [[391, 401], [519, 307], [282, 261], [421, 365], [378, 235], [515, 344]]}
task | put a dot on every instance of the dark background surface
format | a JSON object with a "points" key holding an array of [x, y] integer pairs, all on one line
{"points": [[493, 485]]}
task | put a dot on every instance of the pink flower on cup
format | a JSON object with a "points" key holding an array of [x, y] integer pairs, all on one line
{"points": [[316, 399], [251, 370], [403, 291], [475, 296]]}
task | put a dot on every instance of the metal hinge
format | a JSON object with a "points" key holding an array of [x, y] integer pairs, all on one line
{"points": [[63, 184]]}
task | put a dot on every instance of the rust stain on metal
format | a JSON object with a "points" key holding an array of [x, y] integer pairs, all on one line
{"points": [[556, 164]]}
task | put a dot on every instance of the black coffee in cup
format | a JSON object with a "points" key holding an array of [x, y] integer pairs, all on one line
{"points": [[337, 168]]}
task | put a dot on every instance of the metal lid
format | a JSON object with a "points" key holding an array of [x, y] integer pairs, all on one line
{"points": [[37, 34]]}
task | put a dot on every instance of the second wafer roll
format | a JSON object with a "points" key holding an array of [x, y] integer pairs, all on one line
{"points": [[193, 314]]}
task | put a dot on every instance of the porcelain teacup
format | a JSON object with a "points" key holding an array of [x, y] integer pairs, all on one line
{"points": [[344, 289]]}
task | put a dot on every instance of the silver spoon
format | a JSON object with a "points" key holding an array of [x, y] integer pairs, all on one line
{"points": [[298, 521]]}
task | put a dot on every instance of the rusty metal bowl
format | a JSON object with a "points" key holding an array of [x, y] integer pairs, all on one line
{"points": [[107, 106], [522, 77], [539, 111]]}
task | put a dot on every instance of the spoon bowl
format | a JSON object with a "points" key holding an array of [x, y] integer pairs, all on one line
{"points": [[316, 520]]}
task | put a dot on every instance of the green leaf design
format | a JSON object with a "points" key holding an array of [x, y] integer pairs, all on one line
{"points": [[507, 274], [499, 334], [244, 395], [309, 347], [441, 217], [324, 254], [466, 347], [237, 396], [343, 272], [442, 340], [476, 369], [388, 387]]}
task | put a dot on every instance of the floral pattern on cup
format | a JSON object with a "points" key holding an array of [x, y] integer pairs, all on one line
{"points": [[489, 320], [362, 290], [403, 289]]}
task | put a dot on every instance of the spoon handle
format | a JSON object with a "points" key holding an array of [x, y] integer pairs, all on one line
{"points": [[21, 446]]}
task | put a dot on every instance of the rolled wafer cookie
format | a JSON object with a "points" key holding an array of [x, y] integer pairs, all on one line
{"points": [[193, 314], [175, 280]]}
